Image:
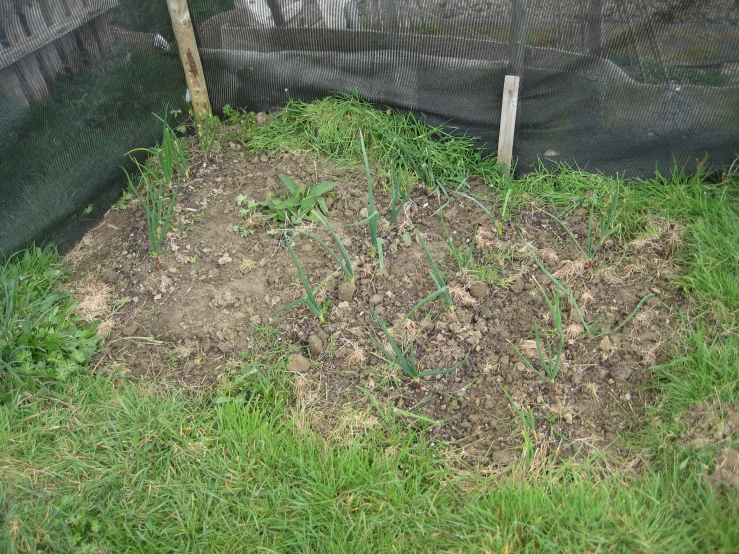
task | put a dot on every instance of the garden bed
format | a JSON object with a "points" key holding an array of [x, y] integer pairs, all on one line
{"points": [[223, 275]]}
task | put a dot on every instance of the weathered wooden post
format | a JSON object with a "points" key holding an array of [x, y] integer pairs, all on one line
{"points": [[517, 50], [185, 37]]}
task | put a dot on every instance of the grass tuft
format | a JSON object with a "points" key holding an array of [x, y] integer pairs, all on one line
{"points": [[330, 127], [42, 339]]}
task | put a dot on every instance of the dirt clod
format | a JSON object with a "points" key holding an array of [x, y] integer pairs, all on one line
{"points": [[479, 290], [110, 277], [727, 468], [298, 364], [517, 286], [346, 291], [315, 346]]}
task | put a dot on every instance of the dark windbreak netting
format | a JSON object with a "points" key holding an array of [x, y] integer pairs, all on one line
{"points": [[624, 86], [79, 81], [617, 86]]}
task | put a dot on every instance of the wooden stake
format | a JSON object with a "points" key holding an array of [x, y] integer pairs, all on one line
{"points": [[508, 120], [185, 37]]}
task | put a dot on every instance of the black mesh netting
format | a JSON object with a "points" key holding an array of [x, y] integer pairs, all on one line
{"points": [[627, 86]]}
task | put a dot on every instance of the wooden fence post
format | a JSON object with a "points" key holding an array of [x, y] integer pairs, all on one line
{"points": [[516, 59], [185, 37], [508, 120]]}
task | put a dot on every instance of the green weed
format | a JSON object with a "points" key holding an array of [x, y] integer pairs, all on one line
{"points": [[400, 195], [330, 126], [528, 430], [309, 298], [251, 213], [298, 203], [607, 224], [436, 275], [41, 338], [404, 360], [490, 215], [232, 115]]}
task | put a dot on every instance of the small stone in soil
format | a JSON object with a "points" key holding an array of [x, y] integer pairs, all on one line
{"points": [[517, 286], [298, 364], [110, 277], [346, 291], [376, 299], [621, 372], [479, 290], [503, 457], [315, 346]]}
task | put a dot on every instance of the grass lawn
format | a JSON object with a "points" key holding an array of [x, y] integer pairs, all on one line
{"points": [[96, 464]]}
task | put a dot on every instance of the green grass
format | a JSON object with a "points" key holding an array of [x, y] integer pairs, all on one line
{"points": [[100, 464], [144, 468], [402, 143], [42, 340]]}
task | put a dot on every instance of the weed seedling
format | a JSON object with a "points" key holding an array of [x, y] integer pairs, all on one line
{"points": [[404, 360], [607, 225], [441, 286], [298, 203], [232, 115], [528, 429], [462, 256], [550, 363], [249, 211], [490, 215], [310, 294], [400, 195]]}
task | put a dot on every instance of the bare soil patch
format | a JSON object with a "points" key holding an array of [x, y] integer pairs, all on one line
{"points": [[193, 321]]}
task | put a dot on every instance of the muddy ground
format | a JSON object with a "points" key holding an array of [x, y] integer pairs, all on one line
{"points": [[194, 320]]}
